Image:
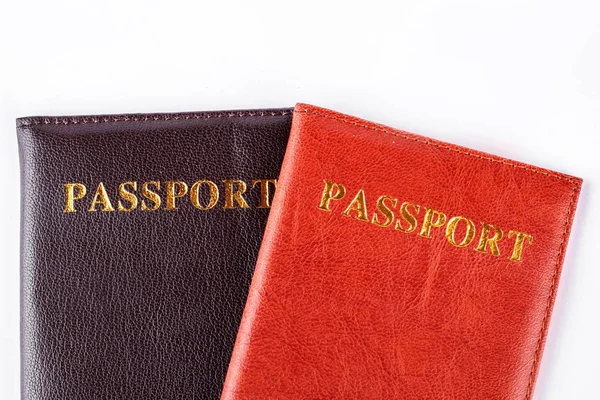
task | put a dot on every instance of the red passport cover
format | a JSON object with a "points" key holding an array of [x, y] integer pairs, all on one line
{"points": [[399, 267]]}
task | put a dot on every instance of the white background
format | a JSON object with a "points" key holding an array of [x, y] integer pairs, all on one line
{"points": [[516, 78]]}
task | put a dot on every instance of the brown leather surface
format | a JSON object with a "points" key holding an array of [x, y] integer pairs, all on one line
{"points": [[140, 304], [341, 308]]}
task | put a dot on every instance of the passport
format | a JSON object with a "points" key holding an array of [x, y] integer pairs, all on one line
{"points": [[140, 233], [395, 266]]}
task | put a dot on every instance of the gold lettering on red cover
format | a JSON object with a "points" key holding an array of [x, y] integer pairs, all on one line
{"points": [[328, 194], [519, 242], [385, 210], [486, 240], [408, 217], [469, 233], [71, 195], [429, 222], [359, 205], [459, 231]]}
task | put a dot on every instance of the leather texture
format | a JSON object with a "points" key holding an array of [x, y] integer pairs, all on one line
{"points": [[140, 304], [343, 309]]}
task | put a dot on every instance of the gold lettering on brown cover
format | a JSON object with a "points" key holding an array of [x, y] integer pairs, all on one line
{"points": [[101, 197], [214, 195], [71, 196], [230, 195], [264, 191], [150, 198], [127, 196], [150, 195], [175, 189]]}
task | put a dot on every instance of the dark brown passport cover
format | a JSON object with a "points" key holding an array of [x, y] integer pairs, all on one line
{"points": [[140, 304]]}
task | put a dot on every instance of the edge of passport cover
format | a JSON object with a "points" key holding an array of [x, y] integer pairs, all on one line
{"points": [[243, 379], [59, 363], [148, 117]]}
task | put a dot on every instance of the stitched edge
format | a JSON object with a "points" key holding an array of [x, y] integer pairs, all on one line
{"points": [[438, 145], [544, 328], [537, 353], [100, 119]]}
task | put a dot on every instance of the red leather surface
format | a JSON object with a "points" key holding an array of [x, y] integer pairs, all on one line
{"points": [[343, 309]]}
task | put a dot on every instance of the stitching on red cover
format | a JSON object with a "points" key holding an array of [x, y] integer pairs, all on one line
{"points": [[144, 118], [536, 355], [450, 148]]}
